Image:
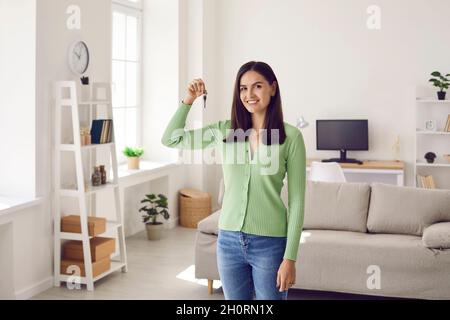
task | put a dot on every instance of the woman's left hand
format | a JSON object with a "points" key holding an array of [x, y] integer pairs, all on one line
{"points": [[286, 275]]}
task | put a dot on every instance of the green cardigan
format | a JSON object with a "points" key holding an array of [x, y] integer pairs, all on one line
{"points": [[252, 201]]}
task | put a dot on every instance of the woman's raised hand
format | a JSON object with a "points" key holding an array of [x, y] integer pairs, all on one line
{"points": [[195, 89]]}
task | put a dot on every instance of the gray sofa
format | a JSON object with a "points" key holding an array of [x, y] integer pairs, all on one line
{"points": [[358, 238]]}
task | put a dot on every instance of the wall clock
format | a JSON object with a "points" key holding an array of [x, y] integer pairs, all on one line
{"points": [[79, 57]]}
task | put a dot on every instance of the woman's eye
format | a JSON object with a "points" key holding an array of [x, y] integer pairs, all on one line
{"points": [[242, 89], [259, 86]]}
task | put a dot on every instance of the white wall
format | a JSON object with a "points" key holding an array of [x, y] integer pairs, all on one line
{"points": [[32, 232], [53, 42], [17, 97], [28, 233], [160, 73], [178, 46], [6, 261], [330, 65], [39, 37]]}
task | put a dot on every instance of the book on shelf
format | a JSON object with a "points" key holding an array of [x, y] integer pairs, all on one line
{"points": [[104, 132], [101, 131], [108, 131], [426, 182], [447, 125]]}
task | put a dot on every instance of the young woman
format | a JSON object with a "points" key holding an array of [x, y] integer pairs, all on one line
{"points": [[258, 237]]}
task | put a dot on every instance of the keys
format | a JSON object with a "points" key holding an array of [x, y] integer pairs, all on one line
{"points": [[205, 94]]}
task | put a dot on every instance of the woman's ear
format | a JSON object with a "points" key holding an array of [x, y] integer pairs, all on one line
{"points": [[274, 88]]}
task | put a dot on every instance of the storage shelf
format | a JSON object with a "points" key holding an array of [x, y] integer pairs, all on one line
{"points": [[432, 132], [70, 236], [90, 190], [110, 226], [69, 94], [115, 266], [427, 108], [108, 185], [431, 100], [423, 164], [72, 147]]}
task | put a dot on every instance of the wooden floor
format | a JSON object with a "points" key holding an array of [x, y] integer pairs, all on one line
{"points": [[164, 270]]}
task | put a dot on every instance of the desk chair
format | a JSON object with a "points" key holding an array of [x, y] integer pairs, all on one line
{"points": [[326, 171]]}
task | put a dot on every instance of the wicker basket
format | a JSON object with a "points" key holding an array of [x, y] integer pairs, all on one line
{"points": [[194, 206]]}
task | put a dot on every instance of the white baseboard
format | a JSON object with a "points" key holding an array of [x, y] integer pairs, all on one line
{"points": [[29, 292]]}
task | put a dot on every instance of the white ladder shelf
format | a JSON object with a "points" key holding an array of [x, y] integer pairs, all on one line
{"points": [[83, 192]]}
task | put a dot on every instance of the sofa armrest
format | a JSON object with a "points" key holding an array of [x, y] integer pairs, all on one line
{"points": [[437, 236], [210, 224]]}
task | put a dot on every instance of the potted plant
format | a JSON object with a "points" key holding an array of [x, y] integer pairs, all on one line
{"points": [[430, 156], [133, 155], [441, 82], [157, 206]]}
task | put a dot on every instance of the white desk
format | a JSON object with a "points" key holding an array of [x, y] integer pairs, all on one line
{"points": [[148, 171], [371, 171]]}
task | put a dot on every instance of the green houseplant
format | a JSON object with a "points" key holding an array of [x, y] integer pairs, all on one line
{"points": [[441, 82], [157, 205], [133, 155]]}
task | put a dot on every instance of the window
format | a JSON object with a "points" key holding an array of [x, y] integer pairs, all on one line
{"points": [[126, 73]]}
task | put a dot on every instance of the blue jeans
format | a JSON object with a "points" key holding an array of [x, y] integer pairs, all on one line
{"points": [[248, 265]]}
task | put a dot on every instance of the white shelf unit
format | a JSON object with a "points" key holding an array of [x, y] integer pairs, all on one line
{"points": [[85, 157], [432, 141]]}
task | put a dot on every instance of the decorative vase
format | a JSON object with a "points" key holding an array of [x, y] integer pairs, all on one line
{"points": [[154, 231], [103, 174], [96, 177], [133, 163], [441, 95]]}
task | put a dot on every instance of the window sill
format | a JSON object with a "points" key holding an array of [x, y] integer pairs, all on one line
{"points": [[9, 205], [145, 168]]}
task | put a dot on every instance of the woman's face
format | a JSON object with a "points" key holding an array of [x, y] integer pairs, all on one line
{"points": [[255, 91]]}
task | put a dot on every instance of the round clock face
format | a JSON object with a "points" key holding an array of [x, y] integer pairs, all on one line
{"points": [[79, 57]]}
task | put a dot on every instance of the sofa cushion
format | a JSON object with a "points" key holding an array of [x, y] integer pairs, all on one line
{"points": [[210, 224], [353, 261], [437, 236], [406, 210], [336, 206]]}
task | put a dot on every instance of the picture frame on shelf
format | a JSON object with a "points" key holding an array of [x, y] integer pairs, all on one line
{"points": [[430, 125]]}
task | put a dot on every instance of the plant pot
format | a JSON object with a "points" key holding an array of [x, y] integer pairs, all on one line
{"points": [[441, 95], [154, 231], [133, 163]]}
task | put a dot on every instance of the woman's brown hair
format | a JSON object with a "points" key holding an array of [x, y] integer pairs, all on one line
{"points": [[241, 118]]}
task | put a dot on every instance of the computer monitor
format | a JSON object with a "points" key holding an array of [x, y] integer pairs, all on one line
{"points": [[342, 135]]}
